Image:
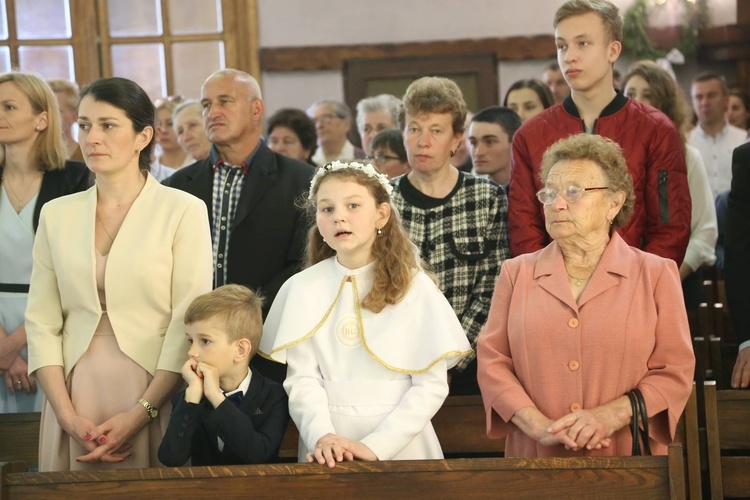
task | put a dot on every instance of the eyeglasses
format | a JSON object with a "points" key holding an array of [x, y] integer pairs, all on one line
{"points": [[571, 194], [325, 119], [381, 159]]}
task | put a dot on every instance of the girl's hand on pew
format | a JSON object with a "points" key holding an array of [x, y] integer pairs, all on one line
{"points": [[349, 450], [328, 450]]}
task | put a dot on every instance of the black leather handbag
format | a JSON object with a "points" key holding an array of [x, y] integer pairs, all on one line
{"points": [[639, 423]]}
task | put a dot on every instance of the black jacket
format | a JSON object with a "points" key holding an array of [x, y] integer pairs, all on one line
{"points": [[251, 432], [267, 240]]}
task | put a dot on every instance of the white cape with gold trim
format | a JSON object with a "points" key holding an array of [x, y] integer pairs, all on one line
{"points": [[408, 337], [373, 378]]}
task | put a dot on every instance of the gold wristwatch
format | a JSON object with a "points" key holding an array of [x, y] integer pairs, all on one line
{"points": [[152, 410]]}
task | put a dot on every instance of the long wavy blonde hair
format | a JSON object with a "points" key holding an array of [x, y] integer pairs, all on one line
{"points": [[395, 259]]}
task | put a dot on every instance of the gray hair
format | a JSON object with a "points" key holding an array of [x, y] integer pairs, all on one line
{"points": [[339, 108], [183, 105], [377, 103]]}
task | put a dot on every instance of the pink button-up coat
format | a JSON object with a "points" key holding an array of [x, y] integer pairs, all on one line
{"points": [[540, 348]]}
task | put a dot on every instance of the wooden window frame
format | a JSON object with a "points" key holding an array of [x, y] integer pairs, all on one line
{"points": [[92, 44]]}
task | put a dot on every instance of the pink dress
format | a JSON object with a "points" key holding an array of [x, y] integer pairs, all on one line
{"points": [[91, 386]]}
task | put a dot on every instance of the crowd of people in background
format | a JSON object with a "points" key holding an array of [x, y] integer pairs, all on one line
{"points": [[558, 227]]}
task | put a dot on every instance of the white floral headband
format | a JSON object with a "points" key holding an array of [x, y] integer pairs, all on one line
{"points": [[340, 165]]}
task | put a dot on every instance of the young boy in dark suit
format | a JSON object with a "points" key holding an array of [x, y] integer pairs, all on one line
{"points": [[229, 413]]}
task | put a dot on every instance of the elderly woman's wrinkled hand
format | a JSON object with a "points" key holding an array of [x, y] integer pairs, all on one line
{"points": [[591, 429]]}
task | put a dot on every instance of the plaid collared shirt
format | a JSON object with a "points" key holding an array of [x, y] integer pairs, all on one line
{"points": [[464, 239], [228, 182]]}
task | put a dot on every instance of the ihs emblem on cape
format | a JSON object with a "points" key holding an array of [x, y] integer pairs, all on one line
{"points": [[347, 332]]}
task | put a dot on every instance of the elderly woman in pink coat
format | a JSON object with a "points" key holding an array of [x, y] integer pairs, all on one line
{"points": [[577, 325]]}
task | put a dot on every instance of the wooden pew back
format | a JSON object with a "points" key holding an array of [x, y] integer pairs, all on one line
{"points": [[19, 438], [728, 430], [610, 477], [459, 424]]}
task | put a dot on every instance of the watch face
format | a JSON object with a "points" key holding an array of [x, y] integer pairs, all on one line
{"points": [[153, 413]]}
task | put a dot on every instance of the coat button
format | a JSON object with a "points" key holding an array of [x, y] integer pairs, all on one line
{"points": [[573, 365], [573, 322], [575, 407]]}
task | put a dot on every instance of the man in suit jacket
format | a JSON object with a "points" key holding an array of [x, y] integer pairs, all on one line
{"points": [[257, 231], [737, 260]]}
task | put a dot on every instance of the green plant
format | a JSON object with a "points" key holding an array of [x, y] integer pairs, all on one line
{"points": [[638, 45]]}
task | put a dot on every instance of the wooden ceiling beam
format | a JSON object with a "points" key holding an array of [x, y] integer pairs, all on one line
{"points": [[332, 57]]}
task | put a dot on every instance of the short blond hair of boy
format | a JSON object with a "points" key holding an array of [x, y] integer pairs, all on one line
{"points": [[239, 308]]}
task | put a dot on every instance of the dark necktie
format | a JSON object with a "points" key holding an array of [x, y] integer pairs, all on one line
{"points": [[235, 398]]}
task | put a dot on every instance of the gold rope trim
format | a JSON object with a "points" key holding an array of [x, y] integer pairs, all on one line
{"points": [[313, 331], [361, 327]]}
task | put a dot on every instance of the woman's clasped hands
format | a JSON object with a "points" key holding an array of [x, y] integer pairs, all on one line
{"points": [[591, 429], [109, 441]]}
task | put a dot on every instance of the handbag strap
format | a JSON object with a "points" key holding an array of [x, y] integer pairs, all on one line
{"points": [[636, 450], [644, 421]]}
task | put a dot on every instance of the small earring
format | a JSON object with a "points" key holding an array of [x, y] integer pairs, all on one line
{"points": [[37, 129], [380, 232], [453, 153], [610, 221]]}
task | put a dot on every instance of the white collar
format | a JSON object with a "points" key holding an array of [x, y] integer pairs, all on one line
{"points": [[244, 385]]}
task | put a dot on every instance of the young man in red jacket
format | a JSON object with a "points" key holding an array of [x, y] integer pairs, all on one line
{"points": [[588, 36]]}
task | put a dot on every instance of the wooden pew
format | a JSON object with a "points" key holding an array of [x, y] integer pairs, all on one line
{"points": [[19, 438], [728, 429], [689, 435], [600, 477], [460, 426]]}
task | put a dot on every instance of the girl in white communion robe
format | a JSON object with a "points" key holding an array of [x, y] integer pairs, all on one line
{"points": [[367, 335]]}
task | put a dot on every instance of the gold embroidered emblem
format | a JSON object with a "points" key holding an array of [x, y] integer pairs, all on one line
{"points": [[347, 332]]}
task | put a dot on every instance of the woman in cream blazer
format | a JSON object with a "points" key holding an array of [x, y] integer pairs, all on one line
{"points": [[115, 268]]}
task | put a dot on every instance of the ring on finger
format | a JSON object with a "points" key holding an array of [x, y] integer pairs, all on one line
{"points": [[18, 383]]}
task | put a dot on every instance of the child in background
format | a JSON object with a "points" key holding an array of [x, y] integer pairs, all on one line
{"points": [[367, 336], [229, 413]]}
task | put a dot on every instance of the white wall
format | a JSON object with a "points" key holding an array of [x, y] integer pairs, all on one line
{"points": [[299, 23]]}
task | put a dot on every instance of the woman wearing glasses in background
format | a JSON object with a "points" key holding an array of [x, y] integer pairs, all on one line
{"points": [[575, 326], [389, 153]]}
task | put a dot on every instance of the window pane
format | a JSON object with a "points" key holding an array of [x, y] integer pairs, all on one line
{"points": [[43, 19], [51, 61], [4, 59], [134, 17], [144, 64], [193, 62], [3, 22], [184, 21]]}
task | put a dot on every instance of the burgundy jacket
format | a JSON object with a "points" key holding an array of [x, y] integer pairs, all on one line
{"points": [[652, 148]]}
